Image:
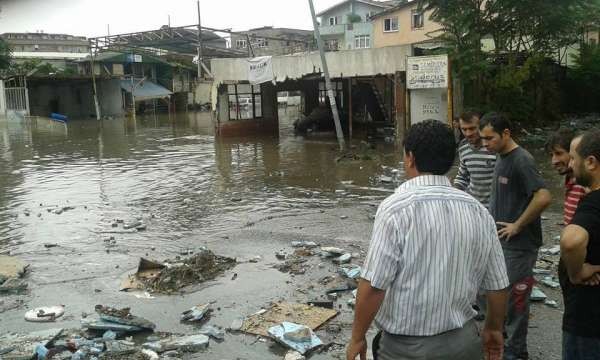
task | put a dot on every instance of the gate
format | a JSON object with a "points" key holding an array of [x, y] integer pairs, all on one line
{"points": [[15, 95]]}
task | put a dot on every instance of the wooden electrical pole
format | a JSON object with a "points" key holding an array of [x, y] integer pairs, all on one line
{"points": [[94, 88], [330, 94]]}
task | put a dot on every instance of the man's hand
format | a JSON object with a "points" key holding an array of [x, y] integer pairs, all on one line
{"points": [[493, 344], [508, 230], [356, 348], [589, 275]]}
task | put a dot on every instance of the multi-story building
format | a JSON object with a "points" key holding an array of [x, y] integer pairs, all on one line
{"points": [[347, 25], [404, 24], [273, 41], [42, 42], [55, 49]]}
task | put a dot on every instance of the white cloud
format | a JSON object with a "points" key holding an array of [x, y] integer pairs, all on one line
{"points": [[91, 17]]}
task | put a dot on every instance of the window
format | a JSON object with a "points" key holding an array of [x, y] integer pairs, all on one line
{"points": [[417, 19], [333, 21], [338, 91], [362, 42], [244, 102], [332, 45], [241, 44], [390, 24], [262, 43]]}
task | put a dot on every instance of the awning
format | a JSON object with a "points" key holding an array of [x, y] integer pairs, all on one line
{"points": [[145, 90]]}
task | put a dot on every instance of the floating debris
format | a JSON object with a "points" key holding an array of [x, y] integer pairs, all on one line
{"points": [[537, 294], [45, 314], [300, 338], [196, 313]]}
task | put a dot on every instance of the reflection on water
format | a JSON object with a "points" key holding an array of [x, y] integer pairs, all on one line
{"points": [[173, 173]]}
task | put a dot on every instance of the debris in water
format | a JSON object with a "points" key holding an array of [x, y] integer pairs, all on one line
{"points": [[297, 337], [45, 314], [537, 294], [196, 313], [172, 276]]}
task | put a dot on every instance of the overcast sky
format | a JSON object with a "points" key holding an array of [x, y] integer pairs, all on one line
{"points": [[90, 17]]}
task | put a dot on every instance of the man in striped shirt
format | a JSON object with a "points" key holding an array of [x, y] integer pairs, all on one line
{"points": [[432, 248], [558, 146], [476, 163]]}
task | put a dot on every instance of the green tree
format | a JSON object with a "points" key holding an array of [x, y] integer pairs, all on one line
{"points": [[525, 35], [5, 54]]}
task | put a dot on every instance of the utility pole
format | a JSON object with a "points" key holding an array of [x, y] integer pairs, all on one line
{"points": [[330, 94], [94, 88], [199, 43]]}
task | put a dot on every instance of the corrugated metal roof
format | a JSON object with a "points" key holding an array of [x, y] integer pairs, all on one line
{"points": [[146, 90]]}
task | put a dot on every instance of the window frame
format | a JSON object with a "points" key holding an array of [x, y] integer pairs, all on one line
{"points": [[367, 41], [241, 41], [413, 23], [334, 22], [391, 24]]}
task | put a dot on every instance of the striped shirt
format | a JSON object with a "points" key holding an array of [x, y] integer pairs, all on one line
{"points": [[573, 194], [433, 247], [475, 171]]}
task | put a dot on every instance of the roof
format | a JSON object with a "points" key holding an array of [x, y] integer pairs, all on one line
{"points": [[146, 90], [48, 55], [395, 8], [118, 58], [381, 4]]}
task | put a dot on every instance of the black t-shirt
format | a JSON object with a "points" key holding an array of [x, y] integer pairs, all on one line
{"points": [[516, 179], [582, 303]]}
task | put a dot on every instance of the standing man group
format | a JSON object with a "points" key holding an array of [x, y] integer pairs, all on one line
{"points": [[432, 248]]}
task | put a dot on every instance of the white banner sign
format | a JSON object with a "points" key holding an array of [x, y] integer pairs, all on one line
{"points": [[260, 70], [427, 72]]}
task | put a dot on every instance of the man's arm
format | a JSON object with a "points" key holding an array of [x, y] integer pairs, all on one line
{"points": [[463, 177], [492, 335], [368, 302], [539, 202], [573, 246]]}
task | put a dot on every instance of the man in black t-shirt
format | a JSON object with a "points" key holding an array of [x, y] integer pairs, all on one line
{"points": [[580, 252], [518, 198]]}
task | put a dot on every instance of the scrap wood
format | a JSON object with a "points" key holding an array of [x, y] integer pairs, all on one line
{"points": [[311, 316], [147, 270]]}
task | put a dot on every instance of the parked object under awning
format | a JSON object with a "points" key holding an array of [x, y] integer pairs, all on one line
{"points": [[146, 90]]}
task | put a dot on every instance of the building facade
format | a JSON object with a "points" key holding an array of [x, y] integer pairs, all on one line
{"points": [[347, 25], [273, 41], [404, 24], [43, 42]]}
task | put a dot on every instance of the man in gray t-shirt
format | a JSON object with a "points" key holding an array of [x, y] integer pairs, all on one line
{"points": [[518, 199]]}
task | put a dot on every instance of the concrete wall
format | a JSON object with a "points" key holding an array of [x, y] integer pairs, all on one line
{"points": [[406, 34], [202, 92], [73, 99], [110, 98], [365, 62]]}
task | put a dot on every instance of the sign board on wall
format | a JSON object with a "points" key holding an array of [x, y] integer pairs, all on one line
{"points": [[427, 72], [260, 70]]}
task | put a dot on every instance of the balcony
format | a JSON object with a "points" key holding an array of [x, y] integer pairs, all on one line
{"points": [[332, 30]]}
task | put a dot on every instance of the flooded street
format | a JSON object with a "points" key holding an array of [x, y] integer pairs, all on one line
{"points": [[68, 185]]}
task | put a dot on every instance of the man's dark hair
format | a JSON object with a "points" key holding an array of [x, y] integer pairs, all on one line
{"points": [[468, 116], [590, 145], [561, 138], [497, 121], [432, 144]]}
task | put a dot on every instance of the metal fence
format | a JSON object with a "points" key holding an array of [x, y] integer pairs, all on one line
{"points": [[16, 97]]}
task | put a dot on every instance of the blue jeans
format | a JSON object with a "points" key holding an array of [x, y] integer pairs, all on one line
{"points": [[580, 348]]}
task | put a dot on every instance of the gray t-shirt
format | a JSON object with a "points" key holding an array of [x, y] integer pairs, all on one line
{"points": [[516, 179]]}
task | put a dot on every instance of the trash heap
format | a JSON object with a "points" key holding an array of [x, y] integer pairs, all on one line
{"points": [[173, 275], [109, 334], [12, 271], [545, 274]]}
